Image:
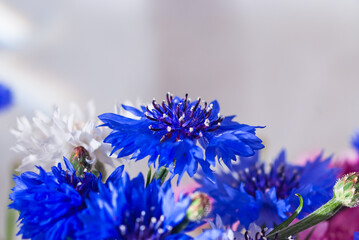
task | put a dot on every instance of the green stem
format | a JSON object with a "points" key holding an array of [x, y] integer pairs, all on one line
{"points": [[10, 224], [149, 175], [291, 218], [321, 214], [180, 226]]}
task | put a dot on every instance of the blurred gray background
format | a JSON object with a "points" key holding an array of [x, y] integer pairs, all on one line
{"points": [[292, 66]]}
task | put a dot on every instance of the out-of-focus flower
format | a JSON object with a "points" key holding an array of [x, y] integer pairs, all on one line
{"points": [[355, 141], [44, 140], [49, 202], [172, 130], [129, 210], [249, 193], [5, 96]]}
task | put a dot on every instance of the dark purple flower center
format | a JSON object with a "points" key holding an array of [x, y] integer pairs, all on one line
{"points": [[182, 118], [146, 228], [82, 185], [255, 178]]}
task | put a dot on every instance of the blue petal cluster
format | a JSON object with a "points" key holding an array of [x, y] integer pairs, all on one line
{"points": [[61, 205], [50, 202], [127, 209], [249, 193], [5, 96], [176, 131]]}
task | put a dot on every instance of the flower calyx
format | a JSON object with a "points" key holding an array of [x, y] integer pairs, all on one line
{"points": [[346, 190], [80, 159]]}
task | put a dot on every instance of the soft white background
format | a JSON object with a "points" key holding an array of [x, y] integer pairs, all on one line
{"points": [[290, 65]]}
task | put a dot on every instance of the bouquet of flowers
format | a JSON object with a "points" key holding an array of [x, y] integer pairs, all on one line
{"points": [[65, 189]]}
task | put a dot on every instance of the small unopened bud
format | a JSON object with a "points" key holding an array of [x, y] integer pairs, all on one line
{"points": [[199, 207], [79, 159], [346, 190]]}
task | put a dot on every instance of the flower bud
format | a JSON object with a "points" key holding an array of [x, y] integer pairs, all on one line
{"points": [[199, 207], [346, 190], [80, 160]]}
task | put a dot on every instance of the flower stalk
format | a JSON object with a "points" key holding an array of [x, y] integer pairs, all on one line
{"points": [[346, 194], [321, 214]]}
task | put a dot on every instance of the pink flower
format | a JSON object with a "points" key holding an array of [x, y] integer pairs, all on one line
{"points": [[342, 226]]}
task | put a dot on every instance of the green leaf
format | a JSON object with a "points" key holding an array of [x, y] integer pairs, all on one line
{"points": [[149, 175], [290, 219], [161, 174]]}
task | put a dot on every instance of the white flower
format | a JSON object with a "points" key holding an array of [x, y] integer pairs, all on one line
{"points": [[46, 139]]}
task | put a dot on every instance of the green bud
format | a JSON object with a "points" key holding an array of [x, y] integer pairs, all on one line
{"points": [[79, 159], [199, 207], [346, 190]]}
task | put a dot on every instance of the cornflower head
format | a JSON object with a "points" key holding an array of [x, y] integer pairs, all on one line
{"points": [[249, 193], [50, 202], [181, 134], [126, 209]]}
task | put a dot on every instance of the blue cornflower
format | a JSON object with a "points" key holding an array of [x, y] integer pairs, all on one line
{"points": [[49, 202], [249, 193], [177, 131], [5, 96], [126, 209]]}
